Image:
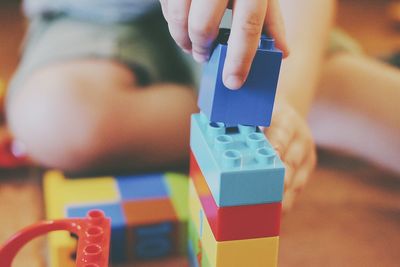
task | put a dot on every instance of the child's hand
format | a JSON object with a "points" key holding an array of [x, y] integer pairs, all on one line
{"points": [[291, 137], [194, 26]]}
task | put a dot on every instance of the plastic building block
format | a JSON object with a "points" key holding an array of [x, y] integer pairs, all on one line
{"points": [[149, 212], [136, 222], [193, 261], [238, 163], [59, 192], [118, 225], [196, 257], [159, 220], [236, 222], [178, 192], [93, 233], [177, 185], [253, 103], [154, 241], [255, 252], [146, 186]]}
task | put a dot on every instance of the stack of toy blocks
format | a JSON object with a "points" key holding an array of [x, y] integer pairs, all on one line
{"points": [[148, 214], [236, 178]]}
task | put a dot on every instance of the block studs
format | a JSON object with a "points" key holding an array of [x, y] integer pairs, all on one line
{"points": [[214, 129], [255, 140], [231, 158], [244, 129], [222, 142], [265, 155], [266, 43]]}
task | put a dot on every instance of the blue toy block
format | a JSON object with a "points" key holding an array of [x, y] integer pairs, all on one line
{"points": [[253, 103], [141, 187], [154, 241], [238, 163], [118, 225]]}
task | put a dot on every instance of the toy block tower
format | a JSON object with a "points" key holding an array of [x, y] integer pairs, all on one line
{"points": [[236, 178]]}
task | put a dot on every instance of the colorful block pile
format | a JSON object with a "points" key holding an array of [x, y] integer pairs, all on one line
{"points": [[148, 214], [236, 178]]}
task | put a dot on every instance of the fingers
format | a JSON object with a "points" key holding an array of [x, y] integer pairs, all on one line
{"points": [[300, 156], [298, 150], [288, 200], [296, 178], [176, 12], [282, 130], [280, 138], [288, 180], [204, 19], [247, 25], [274, 26], [304, 172], [164, 8]]}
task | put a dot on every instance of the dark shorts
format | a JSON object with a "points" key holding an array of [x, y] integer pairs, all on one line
{"points": [[144, 45]]}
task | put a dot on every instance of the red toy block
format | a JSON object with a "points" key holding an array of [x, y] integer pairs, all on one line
{"points": [[93, 239], [235, 222]]}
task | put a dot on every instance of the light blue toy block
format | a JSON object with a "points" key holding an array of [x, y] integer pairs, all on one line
{"points": [[238, 163], [253, 103], [118, 225], [141, 187]]}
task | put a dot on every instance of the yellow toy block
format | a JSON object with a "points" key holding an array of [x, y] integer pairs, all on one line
{"points": [[79, 191], [256, 252], [61, 247], [60, 192]]}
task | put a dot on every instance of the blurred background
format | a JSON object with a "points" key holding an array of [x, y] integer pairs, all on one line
{"points": [[349, 215]]}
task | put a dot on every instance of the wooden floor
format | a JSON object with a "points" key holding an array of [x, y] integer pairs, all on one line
{"points": [[349, 215]]}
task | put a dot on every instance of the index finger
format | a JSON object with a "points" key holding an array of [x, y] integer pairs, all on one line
{"points": [[247, 25]]}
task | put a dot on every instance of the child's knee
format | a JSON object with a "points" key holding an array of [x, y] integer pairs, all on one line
{"points": [[57, 120]]}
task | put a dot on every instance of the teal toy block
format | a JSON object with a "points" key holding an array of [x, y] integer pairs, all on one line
{"points": [[239, 164]]}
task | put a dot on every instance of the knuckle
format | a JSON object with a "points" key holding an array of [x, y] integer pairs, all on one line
{"points": [[201, 33], [239, 60], [177, 19], [252, 25]]}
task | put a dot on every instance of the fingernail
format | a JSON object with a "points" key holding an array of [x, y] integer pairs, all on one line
{"points": [[234, 82]]}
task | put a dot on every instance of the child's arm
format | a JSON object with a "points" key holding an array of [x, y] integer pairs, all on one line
{"points": [[308, 25]]}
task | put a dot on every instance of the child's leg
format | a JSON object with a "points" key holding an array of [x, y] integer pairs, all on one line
{"points": [[361, 97], [90, 114], [77, 107], [367, 85]]}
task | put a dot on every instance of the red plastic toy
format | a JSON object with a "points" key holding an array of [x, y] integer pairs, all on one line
{"points": [[93, 232]]}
